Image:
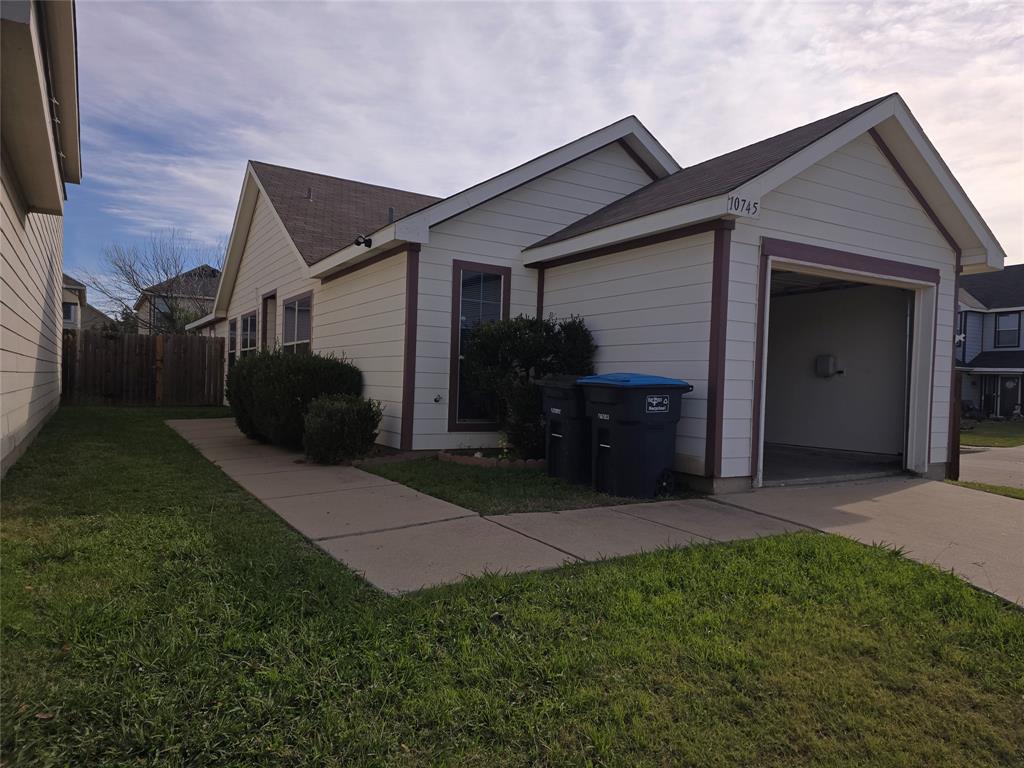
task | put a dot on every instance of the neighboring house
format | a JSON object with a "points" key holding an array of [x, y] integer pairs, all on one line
{"points": [[169, 306], [804, 285], [990, 347], [40, 154], [94, 319], [72, 302]]}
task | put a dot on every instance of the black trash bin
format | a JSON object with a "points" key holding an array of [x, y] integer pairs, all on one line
{"points": [[567, 428], [633, 431]]}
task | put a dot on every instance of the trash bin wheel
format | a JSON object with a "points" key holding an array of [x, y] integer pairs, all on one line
{"points": [[666, 483]]}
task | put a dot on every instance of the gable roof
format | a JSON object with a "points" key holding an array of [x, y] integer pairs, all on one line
{"points": [[70, 282], [997, 289], [93, 318], [200, 281], [710, 178], [323, 214]]}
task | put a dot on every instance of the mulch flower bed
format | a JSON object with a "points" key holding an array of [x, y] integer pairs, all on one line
{"points": [[490, 461]]}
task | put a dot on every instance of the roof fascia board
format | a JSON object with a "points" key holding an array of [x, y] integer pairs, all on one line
{"points": [[244, 212], [673, 218], [203, 321], [63, 57]]}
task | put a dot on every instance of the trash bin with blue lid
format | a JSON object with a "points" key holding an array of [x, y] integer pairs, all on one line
{"points": [[633, 420], [567, 429]]}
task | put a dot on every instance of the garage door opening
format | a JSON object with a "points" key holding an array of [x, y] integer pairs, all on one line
{"points": [[837, 379]]}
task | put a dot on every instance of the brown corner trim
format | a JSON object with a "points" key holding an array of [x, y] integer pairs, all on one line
{"points": [[914, 190], [540, 292], [828, 257], [635, 157], [953, 444], [263, 315], [412, 293], [760, 348], [453, 351], [375, 259], [716, 353], [714, 225]]}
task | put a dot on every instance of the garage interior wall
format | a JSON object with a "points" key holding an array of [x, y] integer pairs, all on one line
{"points": [[864, 409]]}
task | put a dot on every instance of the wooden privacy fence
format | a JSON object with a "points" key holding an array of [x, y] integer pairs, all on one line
{"points": [[142, 370]]}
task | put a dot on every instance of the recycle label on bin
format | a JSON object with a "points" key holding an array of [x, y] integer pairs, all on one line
{"points": [[657, 404]]}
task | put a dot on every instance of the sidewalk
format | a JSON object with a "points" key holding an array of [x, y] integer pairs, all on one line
{"points": [[402, 540], [994, 466]]}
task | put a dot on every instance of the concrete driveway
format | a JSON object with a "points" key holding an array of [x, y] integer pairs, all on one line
{"points": [[994, 466], [979, 536]]}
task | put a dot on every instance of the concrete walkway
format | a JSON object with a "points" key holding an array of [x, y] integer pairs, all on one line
{"points": [[995, 466], [978, 535], [402, 540]]}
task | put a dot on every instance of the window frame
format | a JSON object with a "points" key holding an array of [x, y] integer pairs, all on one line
{"points": [[995, 330], [232, 341], [290, 346], [70, 316], [454, 352], [244, 351]]}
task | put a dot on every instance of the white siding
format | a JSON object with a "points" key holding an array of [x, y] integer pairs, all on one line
{"points": [[650, 311], [30, 317], [495, 232], [360, 316], [852, 200]]}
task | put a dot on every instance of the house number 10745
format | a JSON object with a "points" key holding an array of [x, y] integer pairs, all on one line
{"points": [[742, 205]]}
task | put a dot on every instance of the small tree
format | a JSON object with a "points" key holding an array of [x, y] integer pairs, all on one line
{"points": [[167, 268], [509, 358]]}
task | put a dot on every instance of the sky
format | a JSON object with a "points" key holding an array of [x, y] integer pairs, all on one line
{"points": [[434, 97]]}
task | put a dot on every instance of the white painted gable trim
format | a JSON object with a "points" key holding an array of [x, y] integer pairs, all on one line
{"points": [[416, 227]]}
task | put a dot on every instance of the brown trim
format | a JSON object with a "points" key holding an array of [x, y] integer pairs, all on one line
{"points": [[540, 292], [953, 443], [412, 292], [377, 258], [761, 347], [914, 190], [828, 257], [453, 351], [716, 354], [289, 300], [263, 315], [635, 157], [713, 225]]}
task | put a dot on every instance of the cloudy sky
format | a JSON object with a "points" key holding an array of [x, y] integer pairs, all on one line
{"points": [[434, 97]]}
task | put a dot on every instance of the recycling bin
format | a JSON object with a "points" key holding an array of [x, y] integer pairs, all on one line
{"points": [[633, 420], [567, 429]]}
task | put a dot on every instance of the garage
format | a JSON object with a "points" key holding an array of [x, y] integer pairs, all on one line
{"points": [[837, 378]]}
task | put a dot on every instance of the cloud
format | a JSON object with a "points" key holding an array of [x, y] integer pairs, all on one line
{"points": [[434, 97]]}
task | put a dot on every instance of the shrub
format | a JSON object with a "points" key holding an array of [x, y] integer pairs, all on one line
{"points": [[269, 392], [509, 357], [340, 428]]}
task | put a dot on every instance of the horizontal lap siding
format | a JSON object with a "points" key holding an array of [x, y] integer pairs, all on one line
{"points": [[650, 311], [495, 232], [852, 200], [30, 316], [359, 316]]}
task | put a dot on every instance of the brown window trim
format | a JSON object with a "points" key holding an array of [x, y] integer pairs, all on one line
{"points": [[995, 331], [289, 300], [263, 316], [454, 425]]}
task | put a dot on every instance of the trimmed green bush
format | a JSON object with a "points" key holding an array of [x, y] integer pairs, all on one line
{"points": [[269, 392], [340, 428], [509, 357]]}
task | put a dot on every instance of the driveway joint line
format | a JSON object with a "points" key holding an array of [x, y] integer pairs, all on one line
{"points": [[534, 538], [469, 513], [637, 516], [321, 493], [717, 500]]}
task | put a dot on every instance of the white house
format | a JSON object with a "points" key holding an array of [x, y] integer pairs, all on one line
{"points": [[990, 348], [804, 285]]}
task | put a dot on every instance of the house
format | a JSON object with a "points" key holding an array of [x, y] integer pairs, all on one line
{"points": [[72, 302], [171, 304], [40, 154], [803, 284], [989, 349]]}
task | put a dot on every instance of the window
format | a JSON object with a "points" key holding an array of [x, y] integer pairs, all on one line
{"points": [[480, 294], [68, 308], [248, 335], [1008, 329], [297, 321], [232, 342]]}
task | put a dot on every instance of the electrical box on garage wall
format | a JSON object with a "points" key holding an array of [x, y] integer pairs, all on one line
{"points": [[825, 366]]}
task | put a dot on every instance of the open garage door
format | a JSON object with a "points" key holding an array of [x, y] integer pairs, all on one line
{"points": [[837, 378]]}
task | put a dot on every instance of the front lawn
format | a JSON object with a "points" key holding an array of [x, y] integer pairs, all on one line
{"points": [[494, 490], [992, 434], [156, 614], [1000, 490]]}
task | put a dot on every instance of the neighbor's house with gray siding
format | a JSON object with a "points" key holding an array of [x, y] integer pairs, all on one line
{"points": [[735, 274], [40, 154], [990, 346]]}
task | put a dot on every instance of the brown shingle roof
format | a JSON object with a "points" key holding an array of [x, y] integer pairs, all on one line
{"points": [[198, 281], [708, 179], [323, 214]]}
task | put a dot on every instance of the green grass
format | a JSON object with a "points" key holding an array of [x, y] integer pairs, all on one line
{"points": [[1001, 490], [992, 434], [155, 614], [493, 490]]}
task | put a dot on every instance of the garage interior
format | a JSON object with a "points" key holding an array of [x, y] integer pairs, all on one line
{"points": [[837, 379]]}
